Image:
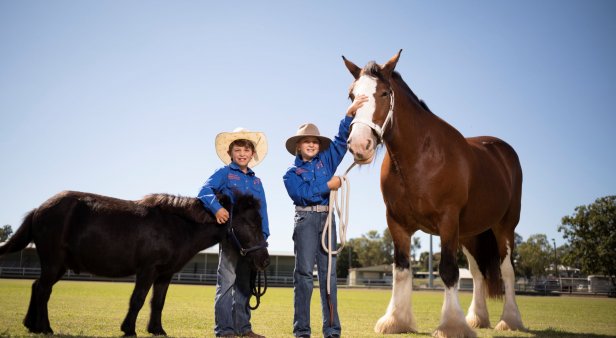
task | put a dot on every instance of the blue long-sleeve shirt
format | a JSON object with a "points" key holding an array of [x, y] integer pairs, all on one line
{"points": [[229, 179], [306, 181]]}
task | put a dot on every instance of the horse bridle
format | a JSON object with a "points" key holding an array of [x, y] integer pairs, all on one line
{"points": [[239, 246], [379, 130], [255, 276], [243, 251]]}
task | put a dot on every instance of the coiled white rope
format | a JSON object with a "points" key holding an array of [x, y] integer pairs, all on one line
{"points": [[343, 216]]}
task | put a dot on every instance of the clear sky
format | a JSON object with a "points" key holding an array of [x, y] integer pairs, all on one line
{"points": [[124, 98]]}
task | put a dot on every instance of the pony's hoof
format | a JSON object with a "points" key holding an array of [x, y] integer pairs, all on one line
{"points": [[389, 324], [511, 325], [158, 332], [476, 322]]}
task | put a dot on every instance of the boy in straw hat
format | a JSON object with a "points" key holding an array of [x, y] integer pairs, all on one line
{"points": [[308, 183], [239, 150]]}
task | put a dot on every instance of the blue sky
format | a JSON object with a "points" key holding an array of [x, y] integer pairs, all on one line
{"points": [[125, 98]]}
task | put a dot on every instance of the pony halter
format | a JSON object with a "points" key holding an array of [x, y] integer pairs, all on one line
{"points": [[379, 130], [239, 246]]}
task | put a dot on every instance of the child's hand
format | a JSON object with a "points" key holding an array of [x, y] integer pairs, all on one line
{"points": [[222, 216], [357, 103], [334, 183]]}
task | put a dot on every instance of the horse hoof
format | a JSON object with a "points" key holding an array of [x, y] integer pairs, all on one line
{"points": [[389, 325], [130, 334], [511, 326], [476, 322], [158, 332], [46, 331]]}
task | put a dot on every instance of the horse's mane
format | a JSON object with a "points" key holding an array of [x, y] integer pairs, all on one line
{"points": [[245, 202], [192, 208], [187, 207]]}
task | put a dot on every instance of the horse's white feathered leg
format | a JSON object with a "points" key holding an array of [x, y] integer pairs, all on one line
{"points": [[477, 315], [399, 316], [511, 318], [453, 323]]}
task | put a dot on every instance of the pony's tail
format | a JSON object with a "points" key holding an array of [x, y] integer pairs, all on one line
{"points": [[21, 238], [488, 260]]}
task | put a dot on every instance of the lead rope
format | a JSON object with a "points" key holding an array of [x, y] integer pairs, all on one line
{"points": [[343, 215]]}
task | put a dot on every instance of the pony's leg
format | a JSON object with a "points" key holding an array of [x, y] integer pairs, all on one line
{"points": [[159, 294], [477, 315], [143, 282], [511, 318], [37, 317], [399, 315], [453, 323]]}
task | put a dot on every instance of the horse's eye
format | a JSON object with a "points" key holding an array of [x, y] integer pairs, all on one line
{"points": [[385, 93], [351, 97]]}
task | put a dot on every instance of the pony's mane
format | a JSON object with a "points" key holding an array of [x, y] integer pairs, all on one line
{"points": [[245, 202], [187, 207]]}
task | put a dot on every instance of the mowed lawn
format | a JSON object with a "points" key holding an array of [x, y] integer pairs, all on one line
{"points": [[96, 309]]}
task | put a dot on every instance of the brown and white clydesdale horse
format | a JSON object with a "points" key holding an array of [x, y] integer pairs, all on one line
{"points": [[465, 190]]}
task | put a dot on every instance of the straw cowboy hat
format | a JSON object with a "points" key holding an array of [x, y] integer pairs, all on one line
{"points": [[258, 139], [305, 130]]}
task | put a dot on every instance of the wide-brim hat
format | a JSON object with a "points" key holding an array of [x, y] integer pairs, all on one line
{"points": [[306, 130], [258, 139]]}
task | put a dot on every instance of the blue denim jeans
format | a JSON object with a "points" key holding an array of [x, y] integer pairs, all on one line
{"points": [[308, 251], [231, 313]]}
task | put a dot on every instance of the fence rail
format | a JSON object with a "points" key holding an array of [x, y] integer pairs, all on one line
{"points": [[578, 286]]}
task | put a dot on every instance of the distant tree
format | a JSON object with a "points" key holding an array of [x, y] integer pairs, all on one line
{"points": [[534, 256], [515, 256], [388, 243], [5, 232], [424, 260], [591, 234], [371, 250], [415, 246], [342, 261], [461, 260]]}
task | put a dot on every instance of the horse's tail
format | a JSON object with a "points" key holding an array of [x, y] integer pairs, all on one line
{"points": [[488, 259], [21, 238]]}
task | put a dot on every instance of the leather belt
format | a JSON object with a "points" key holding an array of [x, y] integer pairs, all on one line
{"points": [[315, 208]]}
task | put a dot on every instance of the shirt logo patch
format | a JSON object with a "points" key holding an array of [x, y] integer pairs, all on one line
{"points": [[234, 177], [300, 171], [256, 181], [319, 165]]}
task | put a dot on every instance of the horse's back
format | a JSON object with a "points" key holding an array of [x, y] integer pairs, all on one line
{"points": [[103, 235]]}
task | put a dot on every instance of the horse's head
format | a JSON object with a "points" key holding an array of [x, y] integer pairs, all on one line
{"points": [[374, 81], [246, 231]]}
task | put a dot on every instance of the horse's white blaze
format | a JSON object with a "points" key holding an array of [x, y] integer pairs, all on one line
{"points": [[477, 315], [511, 318], [361, 133], [453, 323], [399, 316]]}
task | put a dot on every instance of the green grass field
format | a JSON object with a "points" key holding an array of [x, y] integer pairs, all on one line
{"points": [[96, 309]]}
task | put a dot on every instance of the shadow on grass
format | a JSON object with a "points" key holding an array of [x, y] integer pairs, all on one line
{"points": [[553, 333]]}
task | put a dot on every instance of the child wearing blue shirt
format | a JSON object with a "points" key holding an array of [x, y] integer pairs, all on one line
{"points": [[239, 150], [308, 183]]}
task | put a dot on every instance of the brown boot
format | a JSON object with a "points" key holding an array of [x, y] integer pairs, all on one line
{"points": [[251, 334]]}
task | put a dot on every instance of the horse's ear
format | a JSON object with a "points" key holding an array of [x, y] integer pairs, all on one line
{"points": [[389, 67], [352, 68]]}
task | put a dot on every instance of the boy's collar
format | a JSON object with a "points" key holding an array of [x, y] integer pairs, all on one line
{"points": [[299, 160], [234, 166]]}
